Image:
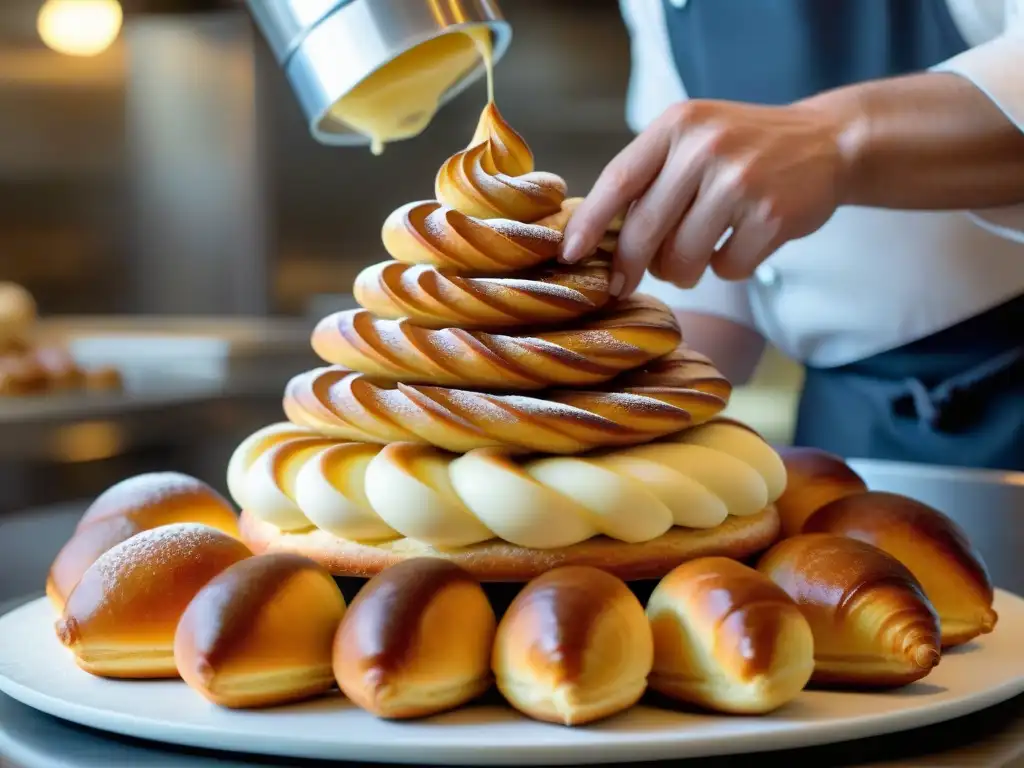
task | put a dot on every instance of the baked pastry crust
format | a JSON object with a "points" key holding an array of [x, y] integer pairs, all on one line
{"points": [[738, 538]]}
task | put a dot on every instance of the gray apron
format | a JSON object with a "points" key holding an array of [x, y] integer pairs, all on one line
{"points": [[954, 398]]}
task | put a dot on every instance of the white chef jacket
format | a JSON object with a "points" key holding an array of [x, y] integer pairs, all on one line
{"points": [[870, 279]]}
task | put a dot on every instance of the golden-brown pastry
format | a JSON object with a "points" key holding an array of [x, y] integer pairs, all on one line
{"points": [[261, 633], [120, 619], [497, 560], [727, 638], [934, 548], [873, 625], [814, 478], [574, 646], [18, 313], [630, 334], [680, 393], [137, 504], [416, 641]]}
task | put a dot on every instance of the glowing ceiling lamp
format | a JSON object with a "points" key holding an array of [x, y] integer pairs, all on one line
{"points": [[79, 27]]}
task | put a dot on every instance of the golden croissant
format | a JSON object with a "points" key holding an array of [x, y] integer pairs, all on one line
{"points": [[632, 334]]}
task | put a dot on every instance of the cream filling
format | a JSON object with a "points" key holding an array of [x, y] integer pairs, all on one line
{"points": [[696, 479]]}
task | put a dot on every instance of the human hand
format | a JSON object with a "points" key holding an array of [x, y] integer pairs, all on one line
{"points": [[703, 168]]}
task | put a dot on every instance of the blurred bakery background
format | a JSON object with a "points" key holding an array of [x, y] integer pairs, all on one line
{"points": [[179, 232]]}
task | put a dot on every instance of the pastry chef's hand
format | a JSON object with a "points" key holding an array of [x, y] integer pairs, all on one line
{"points": [[768, 174]]}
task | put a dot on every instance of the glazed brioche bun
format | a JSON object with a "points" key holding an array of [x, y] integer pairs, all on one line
{"points": [[261, 633], [934, 548], [728, 639], [814, 478], [873, 625], [574, 647], [120, 620], [496, 560], [416, 641], [130, 507]]}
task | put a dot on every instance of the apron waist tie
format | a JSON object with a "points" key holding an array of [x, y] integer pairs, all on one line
{"points": [[951, 405]]}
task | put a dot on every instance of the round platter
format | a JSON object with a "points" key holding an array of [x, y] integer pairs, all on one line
{"points": [[37, 671]]}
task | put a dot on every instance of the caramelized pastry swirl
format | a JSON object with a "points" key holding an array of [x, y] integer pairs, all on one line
{"points": [[434, 299], [494, 177], [682, 392], [363, 492], [631, 334]]}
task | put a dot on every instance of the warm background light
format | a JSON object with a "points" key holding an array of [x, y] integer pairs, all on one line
{"points": [[79, 27]]}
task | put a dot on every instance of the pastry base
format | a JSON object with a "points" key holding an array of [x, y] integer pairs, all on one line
{"points": [[499, 561]]}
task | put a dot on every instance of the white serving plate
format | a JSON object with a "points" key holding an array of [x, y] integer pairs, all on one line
{"points": [[37, 671]]}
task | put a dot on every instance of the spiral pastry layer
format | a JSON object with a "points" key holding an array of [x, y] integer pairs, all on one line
{"points": [[631, 334], [340, 403], [494, 176], [435, 299], [362, 492]]}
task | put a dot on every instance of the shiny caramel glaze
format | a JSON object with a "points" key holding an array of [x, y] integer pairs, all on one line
{"points": [[872, 623], [934, 548], [261, 632], [727, 638], [731, 597], [628, 334], [121, 617], [574, 646], [679, 392], [172, 496], [494, 176], [415, 640], [814, 478]]}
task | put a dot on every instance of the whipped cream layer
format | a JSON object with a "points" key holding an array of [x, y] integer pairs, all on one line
{"points": [[295, 479]]}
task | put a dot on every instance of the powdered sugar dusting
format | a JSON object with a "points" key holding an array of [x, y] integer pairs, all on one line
{"points": [[534, 286], [151, 488], [517, 230], [154, 549]]}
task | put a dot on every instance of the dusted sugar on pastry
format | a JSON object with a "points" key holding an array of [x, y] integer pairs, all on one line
{"points": [[728, 639], [120, 620], [494, 407], [573, 647], [416, 641], [873, 625], [261, 633], [934, 548], [129, 507]]}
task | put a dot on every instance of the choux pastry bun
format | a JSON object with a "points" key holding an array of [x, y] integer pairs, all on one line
{"points": [[934, 548], [261, 633], [137, 504], [416, 640], [119, 621], [573, 647], [728, 639], [873, 625], [814, 478]]}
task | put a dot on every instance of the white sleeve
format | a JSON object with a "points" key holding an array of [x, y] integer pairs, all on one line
{"points": [[996, 68], [711, 296]]}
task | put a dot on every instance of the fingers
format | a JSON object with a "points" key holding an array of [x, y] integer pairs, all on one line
{"points": [[756, 236], [623, 180], [654, 216], [686, 252]]}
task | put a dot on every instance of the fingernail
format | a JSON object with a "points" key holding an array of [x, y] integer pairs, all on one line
{"points": [[571, 249], [617, 283]]}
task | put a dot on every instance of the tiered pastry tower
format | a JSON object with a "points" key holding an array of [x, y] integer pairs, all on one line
{"points": [[495, 407]]}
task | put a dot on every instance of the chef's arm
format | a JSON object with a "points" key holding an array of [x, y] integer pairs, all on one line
{"points": [[950, 138], [735, 348]]}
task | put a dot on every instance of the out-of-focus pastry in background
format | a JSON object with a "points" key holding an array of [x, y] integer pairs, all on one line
{"points": [[30, 367]]}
